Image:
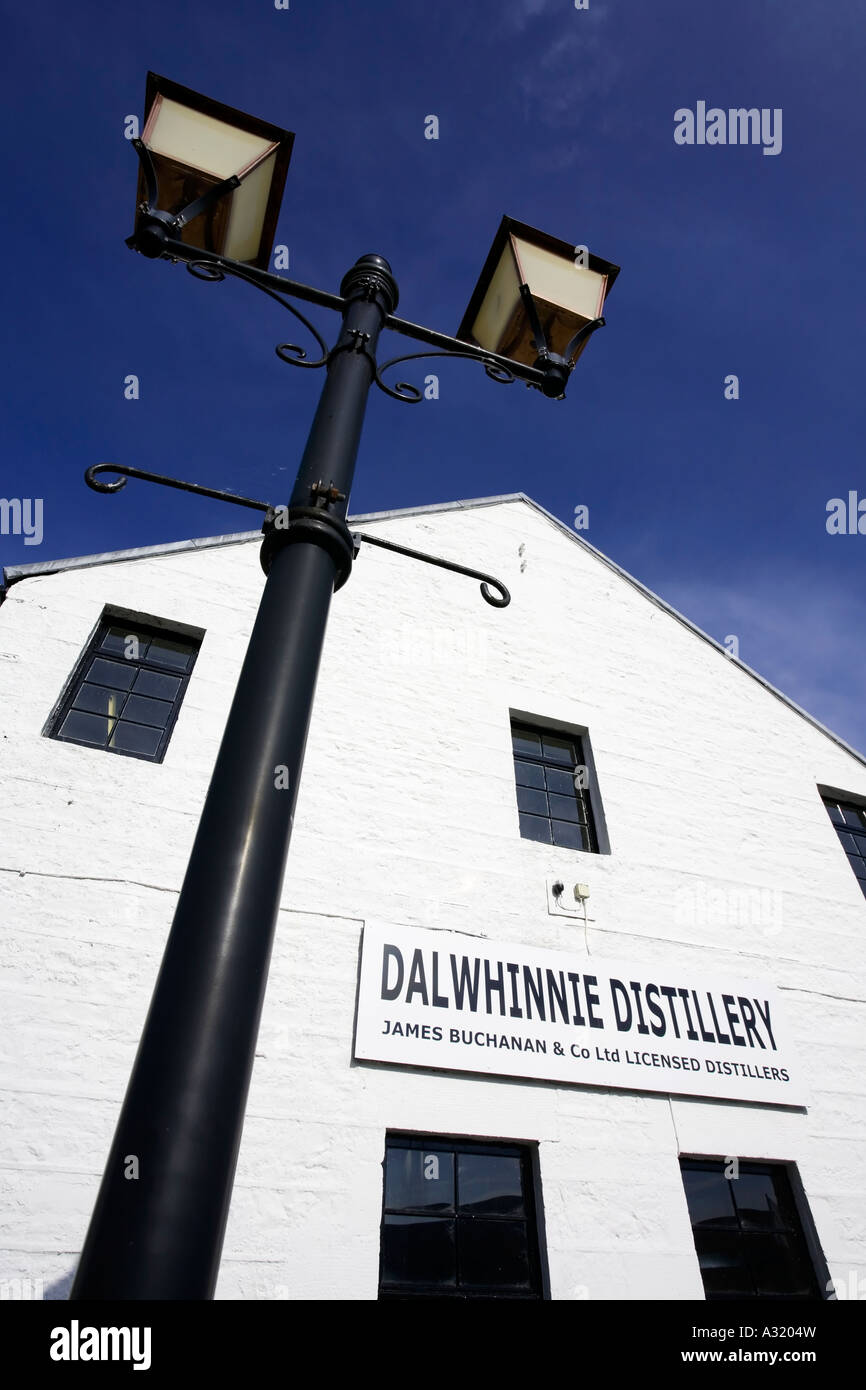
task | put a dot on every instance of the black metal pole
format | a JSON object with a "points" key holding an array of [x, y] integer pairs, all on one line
{"points": [[158, 1235]]}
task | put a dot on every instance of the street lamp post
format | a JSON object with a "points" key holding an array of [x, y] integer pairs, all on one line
{"points": [[158, 1223]]}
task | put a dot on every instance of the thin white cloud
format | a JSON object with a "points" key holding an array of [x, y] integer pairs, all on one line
{"points": [[568, 65], [802, 633], [518, 14]]}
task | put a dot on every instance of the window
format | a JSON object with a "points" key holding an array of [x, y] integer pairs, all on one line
{"points": [[126, 691], [552, 779], [850, 823], [458, 1220], [747, 1232]]}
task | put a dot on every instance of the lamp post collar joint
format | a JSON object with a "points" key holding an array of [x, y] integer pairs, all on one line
{"points": [[291, 525], [371, 278]]}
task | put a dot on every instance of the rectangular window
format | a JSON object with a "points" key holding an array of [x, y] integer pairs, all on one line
{"points": [[748, 1236], [458, 1220], [552, 780], [125, 693], [850, 823]]}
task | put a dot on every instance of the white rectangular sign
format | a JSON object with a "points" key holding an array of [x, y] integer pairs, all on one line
{"points": [[457, 1003]]}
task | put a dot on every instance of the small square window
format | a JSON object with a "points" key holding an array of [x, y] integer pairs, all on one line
{"points": [[552, 784], [127, 689], [850, 822], [747, 1231], [458, 1221]]}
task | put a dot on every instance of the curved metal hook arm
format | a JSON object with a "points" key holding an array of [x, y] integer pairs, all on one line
{"points": [[538, 338], [581, 335], [502, 601], [206, 201], [405, 391], [148, 170], [178, 220], [212, 271], [91, 480]]}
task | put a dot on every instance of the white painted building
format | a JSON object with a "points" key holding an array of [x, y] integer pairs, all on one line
{"points": [[716, 867]]}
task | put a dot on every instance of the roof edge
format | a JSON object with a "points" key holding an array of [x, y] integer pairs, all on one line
{"points": [[14, 573]]}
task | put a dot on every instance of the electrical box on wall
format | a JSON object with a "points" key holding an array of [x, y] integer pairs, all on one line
{"points": [[565, 898]]}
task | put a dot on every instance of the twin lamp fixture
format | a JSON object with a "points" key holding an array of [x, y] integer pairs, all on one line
{"points": [[219, 174]]}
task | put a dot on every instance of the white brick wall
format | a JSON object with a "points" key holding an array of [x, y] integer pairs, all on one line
{"points": [[407, 814]]}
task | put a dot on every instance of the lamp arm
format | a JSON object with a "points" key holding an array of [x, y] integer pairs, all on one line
{"points": [[208, 265], [404, 391], [175, 250], [212, 270]]}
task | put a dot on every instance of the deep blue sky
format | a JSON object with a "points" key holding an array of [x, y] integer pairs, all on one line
{"points": [[732, 262]]}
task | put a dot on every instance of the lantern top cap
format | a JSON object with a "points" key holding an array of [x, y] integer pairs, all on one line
{"points": [[229, 115], [510, 227]]}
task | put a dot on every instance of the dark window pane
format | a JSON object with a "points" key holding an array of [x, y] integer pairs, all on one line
{"points": [[164, 652], [145, 711], [560, 781], [722, 1267], [709, 1198], [534, 828], [135, 738], [418, 1250], [564, 807], [100, 700], [117, 640], [422, 1179], [765, 1254], [850, 822], [525, 744], [778, 1266], [560, 757], [558, 750], [154, 683], [528, 774], [113, 673], [85, 728], [532, 801], [489, 1184], [754, 1197], [137, 704], [568, 834], [493, 1252]]}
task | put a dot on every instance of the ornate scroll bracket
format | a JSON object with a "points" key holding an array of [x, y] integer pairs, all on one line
{"points": [[405, 391], [293, 353]]}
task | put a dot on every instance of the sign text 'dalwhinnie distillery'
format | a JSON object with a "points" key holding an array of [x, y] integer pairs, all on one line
{"points": [[439, 999]]}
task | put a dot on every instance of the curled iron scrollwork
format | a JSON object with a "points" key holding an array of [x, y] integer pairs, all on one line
{"points": [[293, 353], [405, 391]]}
